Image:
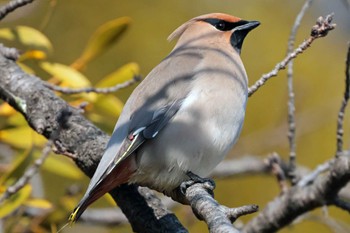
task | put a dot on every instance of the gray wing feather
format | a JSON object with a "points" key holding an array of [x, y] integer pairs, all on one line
{"points": [[161, 118], [119, 141], [115, 143], [153, 109]]}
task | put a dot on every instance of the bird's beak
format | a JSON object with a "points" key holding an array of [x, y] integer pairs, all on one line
{"points": [[247, 25], [240, 32]]}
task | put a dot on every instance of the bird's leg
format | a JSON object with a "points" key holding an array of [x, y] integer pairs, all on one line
{"points": [[208, 183], [197, 179]]}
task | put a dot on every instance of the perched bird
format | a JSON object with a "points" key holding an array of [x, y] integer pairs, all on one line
{"points": [[184, 116]]}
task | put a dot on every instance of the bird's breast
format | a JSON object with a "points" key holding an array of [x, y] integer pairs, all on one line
{"points": [[197, 138]]}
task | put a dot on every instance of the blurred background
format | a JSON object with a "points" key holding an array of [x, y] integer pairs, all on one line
{"points": [[318, 77]]}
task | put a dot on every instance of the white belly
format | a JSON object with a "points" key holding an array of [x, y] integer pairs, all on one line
{"points": [[195, 140]]}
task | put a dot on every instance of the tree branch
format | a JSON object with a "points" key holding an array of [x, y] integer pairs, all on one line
{"points": [[11, 6], [299, 200], [218, 218]]}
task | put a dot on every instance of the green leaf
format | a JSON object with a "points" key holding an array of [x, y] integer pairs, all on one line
{"points": [[105, 36], [124, 73], [15, 201], [67, 75], [27, 36]]}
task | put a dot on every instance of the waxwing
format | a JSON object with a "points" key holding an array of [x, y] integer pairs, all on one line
{"points": [[184, 116]]}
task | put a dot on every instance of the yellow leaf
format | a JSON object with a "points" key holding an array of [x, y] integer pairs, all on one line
{"points": [[27, 36], [33, 54], [39, 203], [109, 104], [106, 35], [124, 73], [62, 167], [97, 118], [17, 120], [21, 137], [67, 75], [32, 37], [15, 201], [6, 110], [18, 167], [7, 34], [68, 202]]}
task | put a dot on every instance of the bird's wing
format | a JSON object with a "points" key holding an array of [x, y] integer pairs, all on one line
{"points": [[160, 118], [112, 158], [149, 130], [147, 111]]}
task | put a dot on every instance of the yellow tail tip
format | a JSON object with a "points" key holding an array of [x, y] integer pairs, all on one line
{"points": [[73, 217]]}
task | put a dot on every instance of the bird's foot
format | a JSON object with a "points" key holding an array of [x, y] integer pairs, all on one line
{"points": [[208, 183]]}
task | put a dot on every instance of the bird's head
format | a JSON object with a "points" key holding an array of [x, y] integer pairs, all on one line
{"points": [[214, 28]]}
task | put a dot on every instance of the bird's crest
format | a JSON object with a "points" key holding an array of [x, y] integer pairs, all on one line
{"points": [[178, 32]]}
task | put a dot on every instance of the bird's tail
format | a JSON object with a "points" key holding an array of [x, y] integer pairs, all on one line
{"points": [[75, 215], [118, 175], [80, 208]]}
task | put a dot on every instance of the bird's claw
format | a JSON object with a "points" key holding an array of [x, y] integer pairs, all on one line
{"points": [[208, 183]]}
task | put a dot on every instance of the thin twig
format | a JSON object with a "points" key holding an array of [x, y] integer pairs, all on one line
{"points": [[62, 120], [321, 29], [307, 179], [291, 101], [235, 213], [48, 16], [11, 6], [245, 165], [274, 162], [27, 176], [106, 90], [340, 122], [334, 225]]}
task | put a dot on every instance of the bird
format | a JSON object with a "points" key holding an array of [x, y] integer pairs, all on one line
{"points": [[184, 117]]}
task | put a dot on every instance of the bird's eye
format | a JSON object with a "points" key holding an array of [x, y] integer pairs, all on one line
{"points": [[221, 26]]}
